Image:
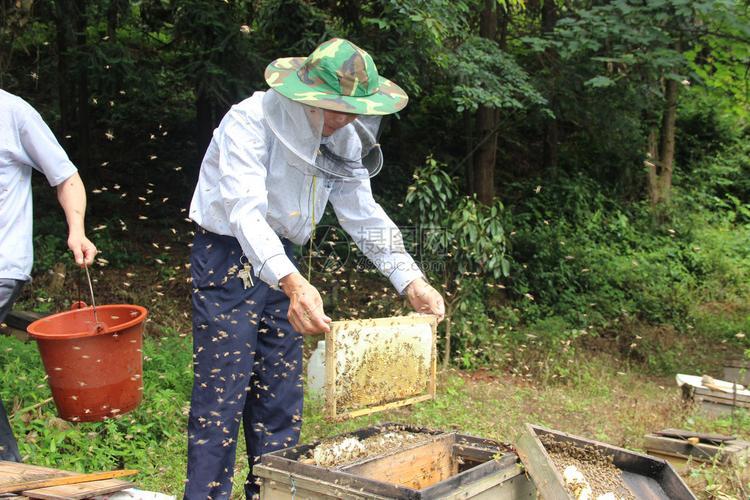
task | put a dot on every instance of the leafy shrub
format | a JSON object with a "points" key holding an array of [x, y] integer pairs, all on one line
{"points": [[584, 258], [462, 245]]}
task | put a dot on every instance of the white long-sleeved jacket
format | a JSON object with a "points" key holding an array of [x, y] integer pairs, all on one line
{"points": [[248, 189]]}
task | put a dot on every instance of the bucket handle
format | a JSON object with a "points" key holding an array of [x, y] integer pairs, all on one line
{"points": [[91, 289], [98, 327]]}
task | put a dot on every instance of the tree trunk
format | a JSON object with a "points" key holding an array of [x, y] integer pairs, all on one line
{"points": [[448, 322], [484, 161], [661, 146], [83, 125], [112, 19], [469, 120], [206, 119], [550, 151], [486, 155], [652, 160], [503, 23], [65, 84], [667, 140]]}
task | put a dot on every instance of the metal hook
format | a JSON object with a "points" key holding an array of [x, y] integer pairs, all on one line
{"points": [[97, 326]]}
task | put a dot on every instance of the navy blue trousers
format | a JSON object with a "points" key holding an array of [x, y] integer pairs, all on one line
{"points": [[248, 368]]}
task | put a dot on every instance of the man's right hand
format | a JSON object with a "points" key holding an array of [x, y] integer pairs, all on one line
{"points": [[305, 305]]}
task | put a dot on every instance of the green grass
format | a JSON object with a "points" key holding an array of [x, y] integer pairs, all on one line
{"points": [[150, 439]]}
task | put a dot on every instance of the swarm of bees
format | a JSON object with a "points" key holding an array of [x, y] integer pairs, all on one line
{"points": [[341, 451], [378, 363]]}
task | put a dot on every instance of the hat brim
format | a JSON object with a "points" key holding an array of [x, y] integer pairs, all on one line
{"points": [[281, 75]]}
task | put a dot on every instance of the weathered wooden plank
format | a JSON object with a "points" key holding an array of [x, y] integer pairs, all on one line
{"points": [[738, 363], [479, 449], [681, 448], [330, 402], [80, 491], [721, 395], [338, 477], [547, 480], [683, 434], [721, 401], [472, 454], [282, 485], [715, 409], [15, 472], [476, 479], [507, 483], [727, 452], [27, 484], [384, 407], [433, 365], [416, 467], [519, 487]]}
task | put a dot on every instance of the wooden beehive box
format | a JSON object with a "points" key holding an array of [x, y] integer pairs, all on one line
{"points": [[675, 446], [443, 465], [644, 476], [377, 364], [719, 402], [737, 370]]}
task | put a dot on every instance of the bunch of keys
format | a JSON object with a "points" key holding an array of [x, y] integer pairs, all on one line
{"points": [[246, 273]]}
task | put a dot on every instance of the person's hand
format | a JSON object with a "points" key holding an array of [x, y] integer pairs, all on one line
{"points": [[83, 250], [425, 299], [305, 305]]}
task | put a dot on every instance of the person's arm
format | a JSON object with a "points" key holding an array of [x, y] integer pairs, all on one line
{"points": [[242, 183], [46, 155], [72, 197], [381, 241]]}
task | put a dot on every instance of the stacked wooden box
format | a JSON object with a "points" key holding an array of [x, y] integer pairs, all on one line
{"points": [[680, 446], [720, 402], [444, 465]]}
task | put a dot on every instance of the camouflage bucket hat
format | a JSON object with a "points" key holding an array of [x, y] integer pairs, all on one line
{"points": [[338, 76]]}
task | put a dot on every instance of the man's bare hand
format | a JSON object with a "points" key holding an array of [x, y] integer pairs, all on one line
{"points": [[83, 249], [425, 299], [305, 305]]}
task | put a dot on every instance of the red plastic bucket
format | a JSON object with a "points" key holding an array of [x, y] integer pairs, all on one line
{"points": [[94, 372]]}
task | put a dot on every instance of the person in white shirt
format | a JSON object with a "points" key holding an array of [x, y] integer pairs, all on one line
{"points": [[26, 144], [274, 162]]}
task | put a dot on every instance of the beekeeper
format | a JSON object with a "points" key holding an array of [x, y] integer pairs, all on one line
{"points": [[26, 144], [274, 162]]}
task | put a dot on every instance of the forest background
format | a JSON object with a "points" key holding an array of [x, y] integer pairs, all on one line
{"points": [[574, 175]]}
